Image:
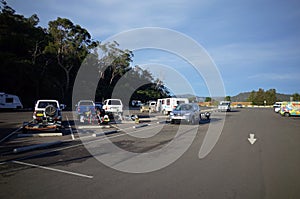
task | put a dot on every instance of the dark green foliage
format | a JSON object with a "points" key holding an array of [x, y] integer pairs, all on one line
{"points": [[43, 63], [208, 99], [227, 98], [296, 97], [260, 97]]}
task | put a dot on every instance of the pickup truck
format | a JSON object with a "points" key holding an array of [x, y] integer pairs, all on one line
{"points": [[85, 110]]}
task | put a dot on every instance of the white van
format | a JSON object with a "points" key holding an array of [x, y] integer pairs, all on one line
{"points": [[166, 105], [8, 101]]}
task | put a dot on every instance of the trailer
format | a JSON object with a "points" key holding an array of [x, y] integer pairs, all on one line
{"points": [[9, 101], [32, 126]]}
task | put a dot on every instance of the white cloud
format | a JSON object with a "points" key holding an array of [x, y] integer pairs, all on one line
{"points": [[104, 18], [256, 54], [280, 76]]}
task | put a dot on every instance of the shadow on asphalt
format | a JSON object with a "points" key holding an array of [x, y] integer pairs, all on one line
{"points": [[234, 111]]}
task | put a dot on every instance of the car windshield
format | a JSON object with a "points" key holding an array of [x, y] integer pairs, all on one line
{"points": [[183, 107], [114, 102], [44, 104], [86, 103], [225, 103]]}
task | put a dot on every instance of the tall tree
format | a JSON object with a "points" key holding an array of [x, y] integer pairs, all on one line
{"points": [[69, 45], [228, 98], [260, 97], [208, 99], [270, 96], [21, 44], [296, 97], [114, 62]]}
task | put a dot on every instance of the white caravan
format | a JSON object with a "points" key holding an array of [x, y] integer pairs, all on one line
{"points": [[8, 101], [166, 105]]}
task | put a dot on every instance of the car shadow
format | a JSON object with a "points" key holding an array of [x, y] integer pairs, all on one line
{"points": [[234, 111]]}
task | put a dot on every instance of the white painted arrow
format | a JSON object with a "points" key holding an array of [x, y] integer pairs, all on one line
{"points": [[252, 140]]}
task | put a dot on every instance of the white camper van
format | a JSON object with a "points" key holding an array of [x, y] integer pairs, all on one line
{"points": [[166, 105], [8, 101]]}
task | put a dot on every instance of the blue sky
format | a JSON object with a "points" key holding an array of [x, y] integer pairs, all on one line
{"points": [[254, 44]]}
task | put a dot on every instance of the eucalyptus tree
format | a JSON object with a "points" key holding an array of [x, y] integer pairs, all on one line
{"points": [[69, 44]]}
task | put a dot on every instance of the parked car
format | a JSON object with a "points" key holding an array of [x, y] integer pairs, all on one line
{"points": [[290, 109], [224, 106], [187, 112], [85, 110], [114, 108], [239, 106], [48, 112], [99, 105], [148, 107], [136, 103], [277, 106]]}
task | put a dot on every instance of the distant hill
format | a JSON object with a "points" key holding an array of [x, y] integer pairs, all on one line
{"points": [[243, 97]]}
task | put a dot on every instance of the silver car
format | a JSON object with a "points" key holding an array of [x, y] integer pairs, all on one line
{"points": [[187, 112]]}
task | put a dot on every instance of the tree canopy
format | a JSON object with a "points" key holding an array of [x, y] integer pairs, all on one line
{"points": [[260, 97], [43, 62]]}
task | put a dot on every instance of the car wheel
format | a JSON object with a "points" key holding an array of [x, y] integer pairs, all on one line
{"points": [[286, 114], [193, 121]]}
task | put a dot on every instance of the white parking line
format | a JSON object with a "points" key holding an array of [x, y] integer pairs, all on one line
{"points": [[52, 169], [92, 141], [15, 131], [72, 134]]}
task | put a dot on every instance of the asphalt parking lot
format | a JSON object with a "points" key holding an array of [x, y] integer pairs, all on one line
{"points": [[81, 162]]}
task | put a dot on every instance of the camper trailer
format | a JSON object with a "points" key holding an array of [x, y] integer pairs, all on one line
{"points": [[8, 101], [166, 105]]}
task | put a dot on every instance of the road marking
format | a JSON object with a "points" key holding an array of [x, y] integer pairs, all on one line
{"points": [[252, 140], [87, 142], [72, 134], [52, 169], [15, 131]]}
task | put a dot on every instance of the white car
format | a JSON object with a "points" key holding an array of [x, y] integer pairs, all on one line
{"points": [[224, 106], [114, 106], [277, 106], [48, 112]]}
